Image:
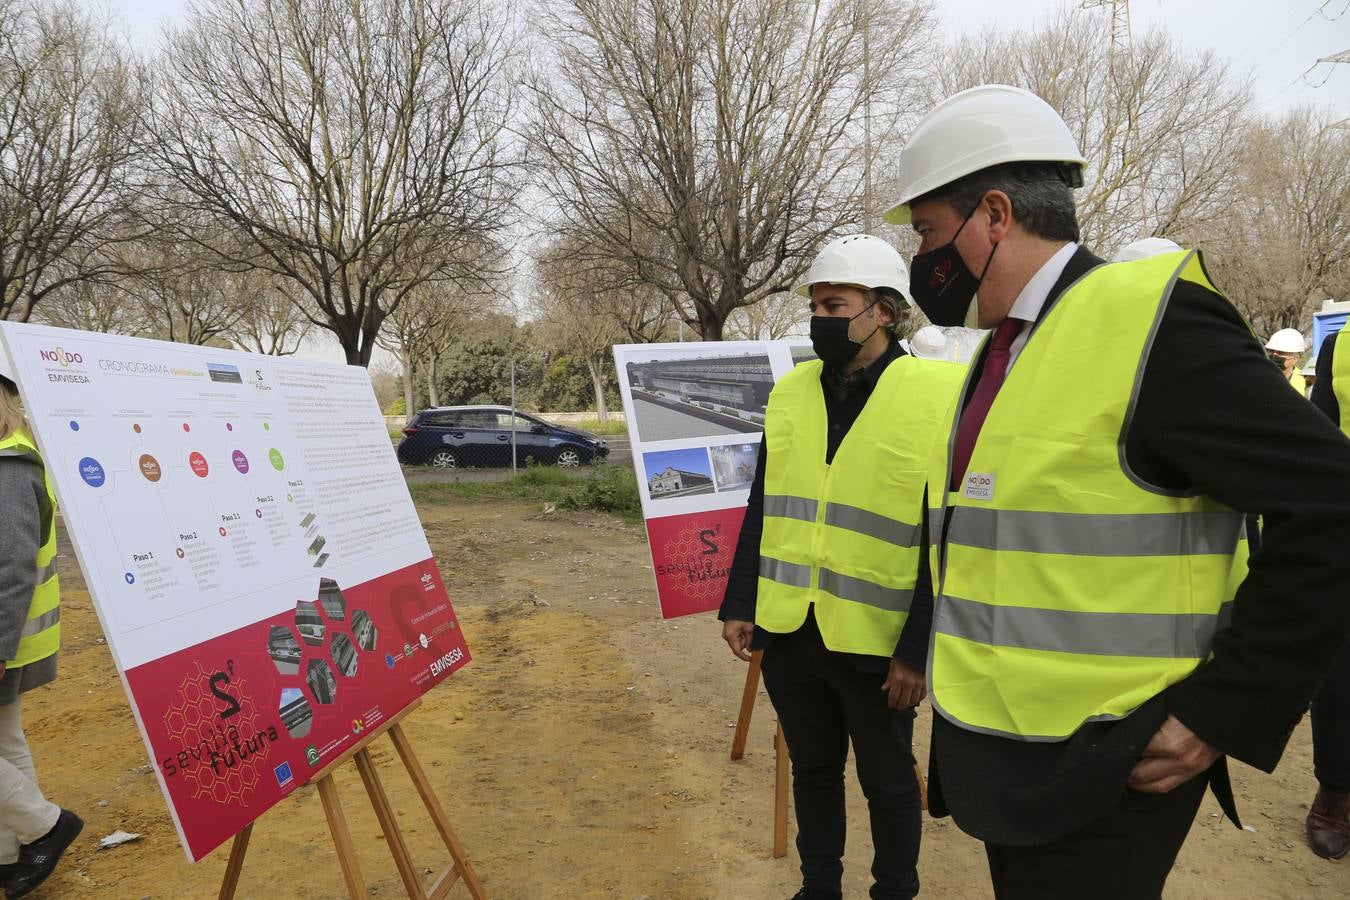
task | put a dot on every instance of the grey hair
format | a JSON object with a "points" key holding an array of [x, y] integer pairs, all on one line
{"points": [[895, 302], [1042, 199]]}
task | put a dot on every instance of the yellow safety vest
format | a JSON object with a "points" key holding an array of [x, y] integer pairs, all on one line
{"points": [[1068, 589], [845, 536], [42, 631], [1340, 377], [1298, 383]]}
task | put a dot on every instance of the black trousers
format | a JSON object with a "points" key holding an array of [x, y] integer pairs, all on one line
{"points": [[1125, 855], [824, 700], [1331, 727]]}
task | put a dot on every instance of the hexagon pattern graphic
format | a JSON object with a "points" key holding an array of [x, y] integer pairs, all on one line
{"points": [[225, 754]]}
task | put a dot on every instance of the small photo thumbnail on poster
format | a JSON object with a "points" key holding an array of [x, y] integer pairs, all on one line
{"points": [[309, 623], [733, 466], [699, 396], [678, 473], [322, 683], [363, 629], [343, 654], [284, 650], [296, 713]]}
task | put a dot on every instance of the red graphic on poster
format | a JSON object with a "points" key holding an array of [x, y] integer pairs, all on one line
{"points": [[239, 721], [691, 555]]}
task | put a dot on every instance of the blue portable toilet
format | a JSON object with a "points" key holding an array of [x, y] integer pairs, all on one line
{"points": [[1328, 320]]}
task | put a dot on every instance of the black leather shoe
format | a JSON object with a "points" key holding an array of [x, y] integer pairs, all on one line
{"points": [[817, 894], [38, 859], [1329, 824]]}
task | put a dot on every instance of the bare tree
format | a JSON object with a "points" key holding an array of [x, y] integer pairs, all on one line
{"points": [[1159, 128], [68, 98], [1284, 245], [184, 298], [270, 320], [93, 305], [577, 315], [735, 130], [774, 318], [353, 148]]}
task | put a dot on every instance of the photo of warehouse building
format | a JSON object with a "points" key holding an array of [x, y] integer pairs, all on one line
{"points": [[322, 683], [309, 623], [344, 654], [296, 713], [331, 599], [363, 629], [699, 396], [284, 650]]}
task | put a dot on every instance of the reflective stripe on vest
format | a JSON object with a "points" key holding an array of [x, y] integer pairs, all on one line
{"points": [[1068, 589], [844, 536], [1340, 377], [41, 634]]}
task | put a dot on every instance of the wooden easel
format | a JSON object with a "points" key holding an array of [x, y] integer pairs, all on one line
{"points": [[384, 811], [781, 771], [782, 768]]}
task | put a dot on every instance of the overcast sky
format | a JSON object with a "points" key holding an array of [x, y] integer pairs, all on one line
{"points": [[1277, 42]]}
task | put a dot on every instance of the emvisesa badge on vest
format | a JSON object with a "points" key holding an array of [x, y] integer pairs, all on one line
{"points": [[978, 486]]}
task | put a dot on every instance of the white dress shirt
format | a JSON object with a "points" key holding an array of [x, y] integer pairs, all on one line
{"points": [[1027, 306]]}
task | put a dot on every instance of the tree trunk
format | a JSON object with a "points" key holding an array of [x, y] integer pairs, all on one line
{"points": [[407, 384], [598, 383], [433, 394]]}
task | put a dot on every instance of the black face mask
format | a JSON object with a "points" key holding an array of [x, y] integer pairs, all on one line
{"points": [[941, 283], [830, 340]]}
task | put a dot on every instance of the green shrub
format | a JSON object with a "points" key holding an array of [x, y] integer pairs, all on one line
{"points": [[614, 489]]}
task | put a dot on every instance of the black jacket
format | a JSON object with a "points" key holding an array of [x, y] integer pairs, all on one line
{"points": [[1323, 395], [1213, 417]]}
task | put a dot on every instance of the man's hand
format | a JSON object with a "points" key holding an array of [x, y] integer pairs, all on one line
{"points": [[2, 668], [737, 634], [1173, 757], [904, 686]]}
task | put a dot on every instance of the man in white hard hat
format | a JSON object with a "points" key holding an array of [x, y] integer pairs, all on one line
{"points": [[827, 559], [1144, 248], [1285, 349], [1095, 648]]}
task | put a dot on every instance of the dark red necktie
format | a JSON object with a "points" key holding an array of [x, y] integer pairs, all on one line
{"points": [[991, 379]]}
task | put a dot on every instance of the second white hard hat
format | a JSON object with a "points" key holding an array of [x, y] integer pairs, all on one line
{"points": [[978, 128], [1144, 248], [1287, 340], [929, 343], [860, 259]]}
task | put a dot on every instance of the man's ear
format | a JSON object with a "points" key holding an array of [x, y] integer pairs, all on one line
{"points": [[998, 206]]}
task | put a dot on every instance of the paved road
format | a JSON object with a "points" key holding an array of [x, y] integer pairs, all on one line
{"points": [[663, 423]]}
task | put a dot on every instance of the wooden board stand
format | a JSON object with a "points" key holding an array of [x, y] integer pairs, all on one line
{"points": [[460, 868], [782, 767]]}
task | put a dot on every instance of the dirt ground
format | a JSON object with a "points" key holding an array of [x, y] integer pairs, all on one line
{"points": [[583, 753]]}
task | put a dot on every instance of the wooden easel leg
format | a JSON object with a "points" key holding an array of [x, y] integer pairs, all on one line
{"points": [[462, 867], [782, 775], [236, 863], [342, 838], [747, 705], [923, 787], [384, 812]]}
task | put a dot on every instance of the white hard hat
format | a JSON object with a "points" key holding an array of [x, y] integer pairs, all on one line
{"points": [[860, 259], [929, 343], [978, 128], [1144, 248], [1310, 370], [1287, 340]]}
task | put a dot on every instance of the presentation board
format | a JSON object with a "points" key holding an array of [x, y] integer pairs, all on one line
{"points": [[252, 551], [695, 419]]}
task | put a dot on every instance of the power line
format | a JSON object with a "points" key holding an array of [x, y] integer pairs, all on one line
{"points": [[1298, 28], [1266, 30]]}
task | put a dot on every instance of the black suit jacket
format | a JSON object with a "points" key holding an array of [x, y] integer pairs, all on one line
{"points": [[1213, 417]]}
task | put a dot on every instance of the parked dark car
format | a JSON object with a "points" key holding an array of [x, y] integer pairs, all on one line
{"points": [[450, 437]]}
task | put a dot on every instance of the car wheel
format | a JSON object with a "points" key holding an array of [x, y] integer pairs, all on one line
{"points": [[444, 459], [569, 458]]}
